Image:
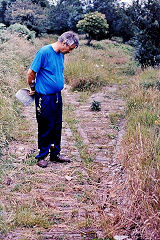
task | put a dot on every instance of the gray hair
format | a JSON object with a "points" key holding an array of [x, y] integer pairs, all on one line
{"points": [[69, 38]]}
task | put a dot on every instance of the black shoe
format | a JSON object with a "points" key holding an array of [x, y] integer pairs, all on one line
{"points": [[42, 163], [58, 158]]}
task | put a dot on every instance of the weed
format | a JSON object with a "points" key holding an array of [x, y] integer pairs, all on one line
{"points": [[115, 118], [98, 46], [58, 187], [95, 106], [111, 135], [26, 217]]}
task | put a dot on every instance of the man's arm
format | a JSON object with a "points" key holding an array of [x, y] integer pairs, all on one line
{"points": [[31, 80]]}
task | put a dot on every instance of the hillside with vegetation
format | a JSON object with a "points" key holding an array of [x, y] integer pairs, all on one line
{"points": [[111, 129]]}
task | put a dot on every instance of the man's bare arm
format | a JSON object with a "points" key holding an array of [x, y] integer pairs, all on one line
{"points": [[31, 80]]}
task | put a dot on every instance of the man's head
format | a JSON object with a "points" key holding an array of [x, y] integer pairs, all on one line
{"points": [[69, 40]]}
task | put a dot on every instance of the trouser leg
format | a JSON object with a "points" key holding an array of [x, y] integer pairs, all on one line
{"points": [[56, 137], [49, 118]]}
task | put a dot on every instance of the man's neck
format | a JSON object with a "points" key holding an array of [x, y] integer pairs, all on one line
{"points": [[56, 47]]}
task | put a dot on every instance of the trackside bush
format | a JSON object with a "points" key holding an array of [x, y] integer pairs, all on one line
{"points": [[95, 25], [22, 30]]}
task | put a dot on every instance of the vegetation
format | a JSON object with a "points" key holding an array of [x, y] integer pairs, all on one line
{"points": [[94, 25], [138, 23], [88, 70], [22, 30]]}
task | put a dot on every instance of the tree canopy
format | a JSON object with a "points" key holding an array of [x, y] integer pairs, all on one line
{"points": [[27, 13], [95, 25]]}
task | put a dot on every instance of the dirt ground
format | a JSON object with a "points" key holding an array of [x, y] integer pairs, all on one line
{"points": [[80, 197]]}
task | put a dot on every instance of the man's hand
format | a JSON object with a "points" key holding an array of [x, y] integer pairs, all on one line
{"points": [[31, 92]]}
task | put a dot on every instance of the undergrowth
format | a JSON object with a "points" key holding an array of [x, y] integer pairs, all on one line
{"points": [[91, 68], [141, 158]]}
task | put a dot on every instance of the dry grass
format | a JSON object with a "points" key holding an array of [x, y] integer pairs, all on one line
{"points": [[140, 208], [91, 68]]}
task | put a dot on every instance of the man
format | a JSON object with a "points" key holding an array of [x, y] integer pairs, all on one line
{"points": [[46, 81]]}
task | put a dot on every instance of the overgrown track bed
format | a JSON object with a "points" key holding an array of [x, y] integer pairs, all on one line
{"points": [[68, 201]]}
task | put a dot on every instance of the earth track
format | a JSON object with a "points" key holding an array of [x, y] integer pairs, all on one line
{"points": [[77, 197]]}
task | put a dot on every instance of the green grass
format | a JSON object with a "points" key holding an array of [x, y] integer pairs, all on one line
{"points": [[27, 217], [69, 117], [91, 68], [141, 149]]}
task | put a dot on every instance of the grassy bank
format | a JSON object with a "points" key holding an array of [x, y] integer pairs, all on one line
{"points": [[142, 156], [105, 62]]}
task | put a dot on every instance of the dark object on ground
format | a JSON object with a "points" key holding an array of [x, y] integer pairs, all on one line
{"points": [[95, 106]]}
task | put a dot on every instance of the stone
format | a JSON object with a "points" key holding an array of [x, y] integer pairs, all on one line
{"points": [[120, 237]]}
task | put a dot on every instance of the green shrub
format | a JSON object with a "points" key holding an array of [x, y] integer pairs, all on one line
{"points": [[4, 36], [2, 26], [22, 30], [95, 106], [94, 25]]}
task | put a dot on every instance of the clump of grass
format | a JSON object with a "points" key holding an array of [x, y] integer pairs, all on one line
{"points": [[95, 106], [141, 155], [26, 217], [115, 118]]}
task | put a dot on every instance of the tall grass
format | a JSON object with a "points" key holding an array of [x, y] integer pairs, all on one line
{"points": [[15, 57], [91, 68], [141, 158]]}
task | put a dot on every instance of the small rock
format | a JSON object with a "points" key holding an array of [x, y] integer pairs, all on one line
{"points": [[120, 237], [68, 178], [9, 181]]}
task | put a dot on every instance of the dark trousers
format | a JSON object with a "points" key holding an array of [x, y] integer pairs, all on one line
{"points": [[49, 119]]}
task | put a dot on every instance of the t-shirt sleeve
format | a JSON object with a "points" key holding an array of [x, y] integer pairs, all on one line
{"points": [[37, 61]]}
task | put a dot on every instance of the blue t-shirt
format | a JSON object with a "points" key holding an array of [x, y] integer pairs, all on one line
{"points": [[49, 67]]}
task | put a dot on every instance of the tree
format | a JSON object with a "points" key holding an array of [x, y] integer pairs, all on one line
{"points": [[65, 15], [95, 25], [148, 44], [123, 25], [109, 8], [3, 6], [27, 13]]}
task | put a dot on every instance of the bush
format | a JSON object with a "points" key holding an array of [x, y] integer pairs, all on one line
{"points": [[2, 26], [95, 25], [4, 36], [22, 30], [95, 106]]}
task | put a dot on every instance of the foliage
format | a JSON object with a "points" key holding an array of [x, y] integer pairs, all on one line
{"points": [[27, 13], [4, 36], [95, 106], [2, 26], [22, 30], [65, 15], [147, 21], [95, 25]]}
